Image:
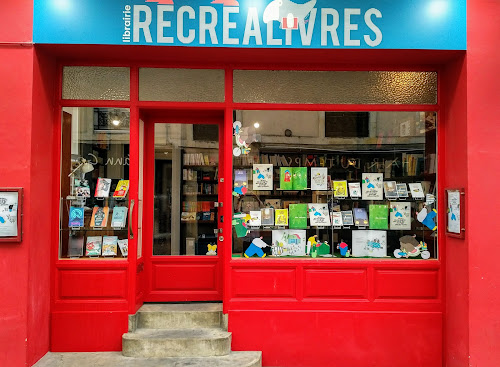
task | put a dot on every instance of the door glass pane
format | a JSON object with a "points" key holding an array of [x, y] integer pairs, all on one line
{"points": [[186, 189]]}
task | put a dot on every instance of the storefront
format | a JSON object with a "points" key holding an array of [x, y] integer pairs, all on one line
{"points": [[311, 166]]}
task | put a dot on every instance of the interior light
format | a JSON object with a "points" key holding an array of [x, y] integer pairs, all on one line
{"points": [[116, 122], [256, 125]]}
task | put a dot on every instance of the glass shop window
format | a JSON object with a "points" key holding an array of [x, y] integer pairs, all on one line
{"points": [[335, 184], [94, 203]]}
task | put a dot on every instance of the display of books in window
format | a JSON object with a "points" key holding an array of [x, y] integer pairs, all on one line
{"points": [[103, 187], [76, 217], [93, 246], [75, 246], [121, 189], [119, 218], [99, 217], [110, 246], [123, 245]]}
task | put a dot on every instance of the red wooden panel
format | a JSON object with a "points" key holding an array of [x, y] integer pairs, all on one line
{"points": [[335, 283], [263, 282], [184, 277], [406, 284], [100, 284], [88, 331]]}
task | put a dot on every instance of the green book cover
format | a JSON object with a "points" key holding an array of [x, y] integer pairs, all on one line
{"points": [[286, 178], [379, 217], [299, 178], [297, 216]]}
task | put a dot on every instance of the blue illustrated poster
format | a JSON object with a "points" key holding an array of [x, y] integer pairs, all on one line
{"points": [[75, 217]]}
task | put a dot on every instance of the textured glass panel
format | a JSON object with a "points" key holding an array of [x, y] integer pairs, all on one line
{"points": [[181, 85], [335, 87], [95, 82]]}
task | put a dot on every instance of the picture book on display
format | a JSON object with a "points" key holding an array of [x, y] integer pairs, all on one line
{"points": [[82, 188], [360, 217], [75, 246], [240, 182], [347, 218], [337, 219], [119, 218], [123, 245], [102, 188], [267, 216], [255, 218], [400, 215], [121, 189], [99, 217], [262, 177], [289, 242], [93, 247], [390, 190], [293, 178], [319, 215], [273, 203], [319, 178], [340, 189], [297, 216], [417, 191], [110, 246], [281, 216], [369, 243], [372, 186], [379, 217], [75, 217], [402, 190], [355, 189]]}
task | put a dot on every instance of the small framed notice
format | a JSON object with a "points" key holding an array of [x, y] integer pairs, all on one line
{"points": [[10, 214], [455, 213]]}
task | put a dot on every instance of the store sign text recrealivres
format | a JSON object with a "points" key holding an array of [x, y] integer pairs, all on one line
{"points": [[415, 24]]}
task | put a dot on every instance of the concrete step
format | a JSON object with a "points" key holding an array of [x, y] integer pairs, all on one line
{"points": [[178, 316], [155, 343], [116, 359]]}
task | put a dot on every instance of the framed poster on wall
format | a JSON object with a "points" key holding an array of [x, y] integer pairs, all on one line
{"points": [[10, 214], [455, 213]]}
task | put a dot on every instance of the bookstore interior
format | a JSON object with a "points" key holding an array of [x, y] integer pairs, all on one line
{"points": [[305, 184]]}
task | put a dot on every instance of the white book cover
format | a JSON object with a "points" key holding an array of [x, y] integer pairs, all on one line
{"points": [[262, 177], [337, 219], [102, 188], [354, 189], [400, 215], [366, 243], [123, 245], [373, 186], [417, 192], [319, 215], [255, 218], [319, 178], [109, 245], [289, 242]]}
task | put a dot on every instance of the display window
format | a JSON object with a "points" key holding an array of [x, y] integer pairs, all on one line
{"points": [[325, 184]]}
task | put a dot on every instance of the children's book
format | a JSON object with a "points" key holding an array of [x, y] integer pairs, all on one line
{"points": [[75, 246], [390, 189], [369, 243], [82, 188], [121, 189], [319, 178], [355, 189], [347, 218], [99, 217], [289, 242], [262, 177], [240, 182], [255, 218], [319, 215], [119, 218], [94, 244], [340, 189], [267, 216], [286, 178], [102, 188], [373, 186], [379, 217], [123, 245], [417, 192], [297, 216], [273, 203], [400, 215], [360, 217], [281, 217], [110, 246], [299, 178], [337, 219], [402, 190], [75, 217]]}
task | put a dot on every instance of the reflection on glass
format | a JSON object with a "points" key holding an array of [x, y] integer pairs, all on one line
{"points": [[186, 189]]}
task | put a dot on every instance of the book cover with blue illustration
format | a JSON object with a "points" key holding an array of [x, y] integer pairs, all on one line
{"points": [[75, 217], [119, 218]]}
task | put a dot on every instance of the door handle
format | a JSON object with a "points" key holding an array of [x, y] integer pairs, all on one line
{"points": [[130, 224]]}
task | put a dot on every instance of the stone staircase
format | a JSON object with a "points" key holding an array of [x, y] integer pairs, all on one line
{"points": [[185, 334]]}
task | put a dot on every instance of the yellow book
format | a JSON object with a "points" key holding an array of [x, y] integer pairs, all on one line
{"points": [[281, 217], [340, 189]]}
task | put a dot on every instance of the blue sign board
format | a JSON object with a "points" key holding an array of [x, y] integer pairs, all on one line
{"points": [[344, 24]]}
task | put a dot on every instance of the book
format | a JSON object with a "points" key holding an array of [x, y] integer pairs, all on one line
{"points": [[262, 177], [188, 216], [267, 216], [379, 217], [110, 246], [75, 246], [289, 242], [297, 216], [123, 245], [319, 178], [372, 186], [75, 217], [121, 189], [417, 192], [402, 190], [390, 190], [99, 217], [340, 189], [119, 218], [355, 189], [82, 188], [293, 178], [273, 203], [360, 217], [286, 178], [347, 218], [369, 243], [102, 188], [240, 182], [93, 247], [190, 246], [255, 218], [281, 217], [400, 215], [337, 219], [319, 215]]}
